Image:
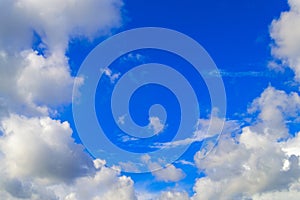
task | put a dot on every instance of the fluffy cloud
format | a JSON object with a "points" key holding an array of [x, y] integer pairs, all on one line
{"points": [[274, 108], [278, 195], [39, 159], [168, 173], [106, 184], [254, 164], [32, 83], [55, 21], [285, 31], [155, 125], [29, 144]]}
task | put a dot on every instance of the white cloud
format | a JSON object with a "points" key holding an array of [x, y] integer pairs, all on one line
{"points": [[35, 84], [146, 195], [72, 18], [206, 130], [30, 144], [292, 147], [145, 158], [78, 82], [112, 76], [211, 127], [156, 125], [129, 167], [13, 98], [106, 184], [251, 165], [170, 195], [184, 162], [165, 195], [275, 107], [278, 195], [234, 74], [286, 34], [168, 173], [39, 158], [133, 57], [45, 81], [121, 120]]}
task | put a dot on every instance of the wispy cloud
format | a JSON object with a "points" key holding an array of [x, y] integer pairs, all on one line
{"points": [[240, 74], [204, 129], [133, 57], [112, 76]]}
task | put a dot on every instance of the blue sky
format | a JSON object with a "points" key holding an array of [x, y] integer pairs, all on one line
{"points": [[235, 34], [51, 148]]}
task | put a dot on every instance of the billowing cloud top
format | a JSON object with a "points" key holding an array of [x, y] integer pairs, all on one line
{"points": [[40, 160]]}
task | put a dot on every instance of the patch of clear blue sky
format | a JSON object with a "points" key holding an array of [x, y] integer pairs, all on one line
{"points": [[234, 32]]}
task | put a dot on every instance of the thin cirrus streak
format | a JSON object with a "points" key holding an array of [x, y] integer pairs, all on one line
{"points": [[240, 74]]}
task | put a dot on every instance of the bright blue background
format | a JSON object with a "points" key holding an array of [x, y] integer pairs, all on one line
{"points": [[236, 35]]}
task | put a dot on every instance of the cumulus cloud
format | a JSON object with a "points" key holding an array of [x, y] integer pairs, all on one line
{"points": [[33, 82], [291, 146], [275, 108], [56, 21], [39, 159], [168, 173], [156, 125], [291, 194], [286, 34], [45, 81], [169, 195], [253, 164], [165, 195], [30, 144], [105, 184]]}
